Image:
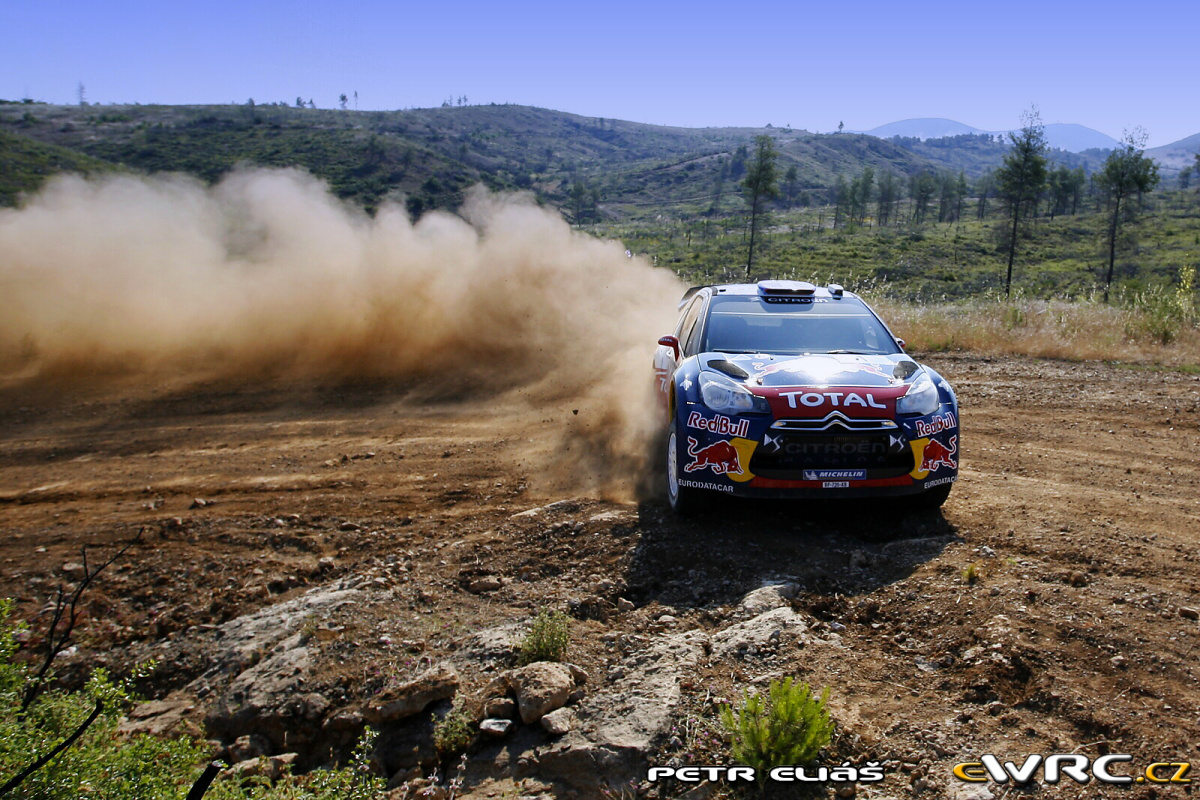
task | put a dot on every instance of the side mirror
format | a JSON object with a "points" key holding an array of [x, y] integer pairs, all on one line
{"points": [[673, 343], [903, 344]]}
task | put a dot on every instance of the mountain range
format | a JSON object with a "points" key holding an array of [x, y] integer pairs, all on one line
{"points": [[1061, 136], [594, 168]]}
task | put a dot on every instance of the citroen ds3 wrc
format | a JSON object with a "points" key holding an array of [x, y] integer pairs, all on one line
{"points": [[786, 389]]}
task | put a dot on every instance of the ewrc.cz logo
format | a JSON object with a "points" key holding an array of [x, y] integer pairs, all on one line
{"points": [[1073, 766]]}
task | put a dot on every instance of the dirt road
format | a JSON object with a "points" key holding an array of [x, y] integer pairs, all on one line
{"points": [[1077, 515]]}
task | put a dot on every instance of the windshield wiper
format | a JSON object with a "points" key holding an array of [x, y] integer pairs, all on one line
{"points": [[850, 353]]}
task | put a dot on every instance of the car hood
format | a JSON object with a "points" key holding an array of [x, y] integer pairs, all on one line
{"points": [[839, 369]]}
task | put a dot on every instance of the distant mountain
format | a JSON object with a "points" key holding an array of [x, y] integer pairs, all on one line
{"points": [[1177, 155], [1077, 138], [927, 128], [1059, 135]]}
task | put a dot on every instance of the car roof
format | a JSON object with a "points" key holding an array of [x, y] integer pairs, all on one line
{"points": [[770, 288]]}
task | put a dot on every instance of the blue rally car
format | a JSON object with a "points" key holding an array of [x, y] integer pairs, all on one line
{"points": [[786, 389]]}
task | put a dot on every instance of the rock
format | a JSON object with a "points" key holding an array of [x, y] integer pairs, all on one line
{"points": [[493, 644], [617, 727], [407, 744], [258, 666], [349, 526], [559, 722], [578, 674], [758, 631], [624, 606], [270, 768], [73, 571], [1078, 579], [1118, 662], [766, 598], [200, 502], [397, 702], [495, 728], [485, 584], [500, 708], [345, 720], [1184, 611], [158, 717], [541, 687], [970, 791], [246, 748]]}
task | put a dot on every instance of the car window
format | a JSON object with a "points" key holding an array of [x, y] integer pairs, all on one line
{"points": [[691, 342], [688, 326], [748, 324]]}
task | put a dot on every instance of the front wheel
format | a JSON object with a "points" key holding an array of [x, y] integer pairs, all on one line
{"points": [[932, 499], [683, 499]]}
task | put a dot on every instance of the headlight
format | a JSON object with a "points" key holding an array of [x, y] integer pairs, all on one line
{"points": [[921, 398], [721, 394]]}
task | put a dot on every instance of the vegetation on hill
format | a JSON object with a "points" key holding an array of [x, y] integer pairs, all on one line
{"points": [[26, 163]]}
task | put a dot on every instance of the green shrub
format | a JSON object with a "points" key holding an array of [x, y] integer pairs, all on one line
{"points": [[789, 728], [547, 638], [101, 763], [453, 733]]}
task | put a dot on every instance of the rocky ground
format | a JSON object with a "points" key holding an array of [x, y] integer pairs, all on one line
{"points": [[316, 559]]}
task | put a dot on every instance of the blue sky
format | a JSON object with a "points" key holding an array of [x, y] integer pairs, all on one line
{"points": [[810, 65]]}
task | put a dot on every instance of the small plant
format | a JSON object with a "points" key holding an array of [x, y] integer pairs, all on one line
{"points": [[547, 639], [453, 733], [789, 728], [971, 574]]}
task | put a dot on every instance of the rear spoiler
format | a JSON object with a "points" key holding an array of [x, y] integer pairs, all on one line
{"points": [[689, 294]]}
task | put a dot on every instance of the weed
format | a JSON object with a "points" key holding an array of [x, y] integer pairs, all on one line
{"points": [[971, 574], [453, 733], [789, 728], [547, 639]]}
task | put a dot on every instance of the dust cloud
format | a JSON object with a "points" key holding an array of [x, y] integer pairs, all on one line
{"points": [[267, 274]]}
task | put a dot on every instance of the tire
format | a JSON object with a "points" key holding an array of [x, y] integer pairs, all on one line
{"points": [[683, 500], [933, 499]]}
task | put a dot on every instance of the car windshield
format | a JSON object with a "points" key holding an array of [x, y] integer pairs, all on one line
{"points": [[752, 324]]}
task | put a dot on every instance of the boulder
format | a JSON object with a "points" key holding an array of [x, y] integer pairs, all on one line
{"points": [[540, 688], [412, 697]]}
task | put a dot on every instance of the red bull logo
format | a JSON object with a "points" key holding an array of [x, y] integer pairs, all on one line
{"points": [[939, 455], [936, 425], [720, 457], [719, 424]]}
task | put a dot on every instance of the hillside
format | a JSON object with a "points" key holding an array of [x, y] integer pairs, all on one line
{"points": [[1176, 155], [594, 169], [430, 156], [26, 163]]}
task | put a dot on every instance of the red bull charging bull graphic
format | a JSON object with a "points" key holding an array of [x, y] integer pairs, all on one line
{"points": [[720, 457], [939, 455]]}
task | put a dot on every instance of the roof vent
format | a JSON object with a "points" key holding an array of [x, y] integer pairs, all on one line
{"points": [[785, 288], [836, 289]]}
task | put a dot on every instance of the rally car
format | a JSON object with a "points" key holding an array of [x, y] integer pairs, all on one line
{"points": [[786, 389]]}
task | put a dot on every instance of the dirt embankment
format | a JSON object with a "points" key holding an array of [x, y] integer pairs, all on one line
{"points": [[402, 505]]}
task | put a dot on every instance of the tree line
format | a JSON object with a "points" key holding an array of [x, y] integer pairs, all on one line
{"points": [[1026, 185]]}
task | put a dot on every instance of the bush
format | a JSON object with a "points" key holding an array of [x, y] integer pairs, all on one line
{"points": [[453, 733], [790, 728], [547, 638], [103, 763]]}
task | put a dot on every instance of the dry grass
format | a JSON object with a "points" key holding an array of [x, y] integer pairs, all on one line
{"points": [[1155, 327]]}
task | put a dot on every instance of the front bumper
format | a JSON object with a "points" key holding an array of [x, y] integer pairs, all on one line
{"points": [[837, 456]]}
